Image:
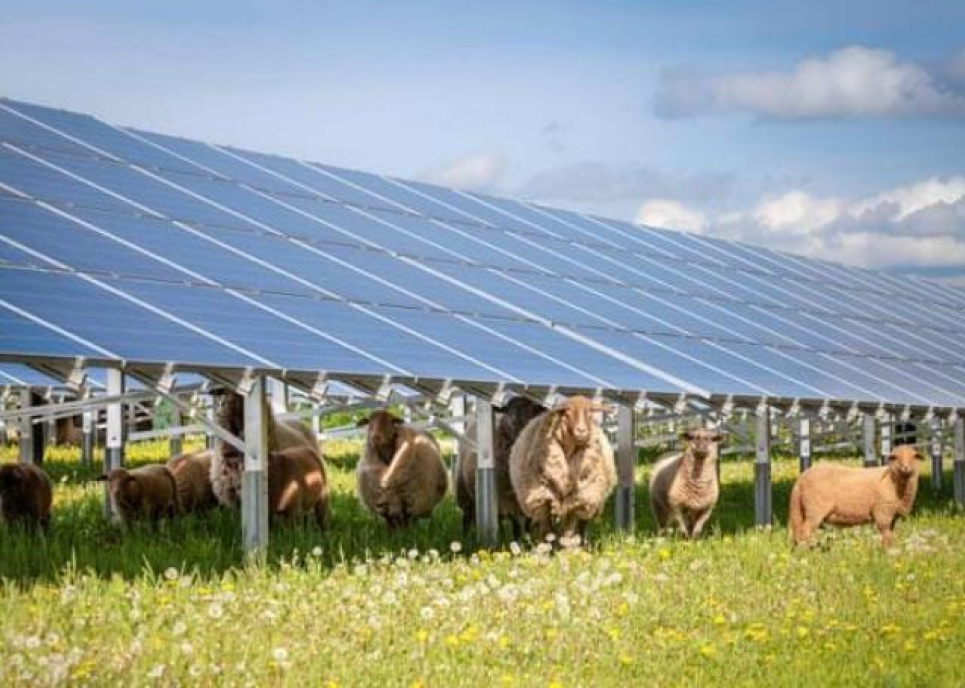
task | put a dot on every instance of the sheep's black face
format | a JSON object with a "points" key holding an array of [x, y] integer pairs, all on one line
{"points": [[231, 414], [703, 443], [10, 480], [383, 430], [904, 460], [518, 413]]}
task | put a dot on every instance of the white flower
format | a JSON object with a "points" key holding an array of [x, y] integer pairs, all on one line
{"points": [[426, 613], [317, 551], [550, 537], [187, 648], [32, 643], [279, 654], [171, 573], [156, 672], [216, 611], [179, 628], [413, 554], [456, 547], [515, 548]]}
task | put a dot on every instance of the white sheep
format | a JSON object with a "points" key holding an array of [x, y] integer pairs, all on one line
{"points": [[401, 475], [846, 496], [684, 486], [562, 469]]}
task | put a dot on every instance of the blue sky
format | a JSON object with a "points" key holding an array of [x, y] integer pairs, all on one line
{"points": [[827, 128]]}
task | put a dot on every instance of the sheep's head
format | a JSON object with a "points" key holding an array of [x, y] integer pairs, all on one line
{"points": [[703, 444], [904, 460], [124, 489], [231, 413], [516, 414], [576, 416], [11, 479], [383, 430]]}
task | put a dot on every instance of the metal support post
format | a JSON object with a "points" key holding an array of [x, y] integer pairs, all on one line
{"points": [[487, 506], [26, 428], [762, 469], [626, 463], [114, 449], [868, 439], [959, 464], [278, 391], [254, 487], [87, 442], [457, 410], [316, 422], [175, 444], [804, 443], [211, 416], [885, 425], [935, 445]]}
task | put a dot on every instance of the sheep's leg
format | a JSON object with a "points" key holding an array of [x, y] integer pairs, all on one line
{"points": [[698, 525], [515, 522], [681, 519], [885, 522], [468, 518], [321, 515]]}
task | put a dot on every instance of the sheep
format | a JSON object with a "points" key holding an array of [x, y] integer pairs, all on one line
{"points": [[192, 474], [401, 476], [146, 492], [845, 496], [297, 485], [562, 470], [25, 495], [684, 486], [226, 463], [510, 421]]}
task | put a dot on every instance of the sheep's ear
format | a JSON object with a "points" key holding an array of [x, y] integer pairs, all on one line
{"points": [[720, 437], [362, 422], [687, 435], [397, 421], [102, 478], [499, 409], [919, 456], [597, 407], [891, 457]]}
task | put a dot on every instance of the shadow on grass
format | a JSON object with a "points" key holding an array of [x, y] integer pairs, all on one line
{"points": [[83, 541]]}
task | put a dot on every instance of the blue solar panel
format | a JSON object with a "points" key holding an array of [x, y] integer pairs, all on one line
{"points": [[337, 270]]}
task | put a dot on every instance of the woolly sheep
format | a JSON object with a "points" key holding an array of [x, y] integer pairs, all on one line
{"points": [[25, 495], [145, 492], [684, 486], [297, 485], [192, 475], [562, 469], [510, 421], [401, 476], [845, 496]]}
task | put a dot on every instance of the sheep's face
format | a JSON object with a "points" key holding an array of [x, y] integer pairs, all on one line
{"points": [[10, 480], [904, 460], [124, 489], [231, 414], [517, 413], [383, 430], [703, 444], [577, 419]]}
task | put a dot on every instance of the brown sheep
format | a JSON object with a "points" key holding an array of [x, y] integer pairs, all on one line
{"points": [[25, 495], [845, 496], [401, 476], [297, 485], [192, 474], [146, 492], [510, 421], [562, 469], [684, 485]]}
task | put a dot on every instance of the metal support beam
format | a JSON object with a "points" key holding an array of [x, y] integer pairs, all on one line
{"points": [[114, 447], [317, 422], [626, 464], [26, 428], [762, 469], [254, 487], [885, 426], [487, 506], [457, 412], [959, 430], [935, 446], [868, 439], [804, 443], [175, 445], [279, 396], [87, 441], [210, 417]]}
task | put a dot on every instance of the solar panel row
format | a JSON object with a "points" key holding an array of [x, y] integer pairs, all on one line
{"points": [[211, 255]]}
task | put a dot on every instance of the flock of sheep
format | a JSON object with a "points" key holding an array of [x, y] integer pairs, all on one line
{"points": [[554, 471]]}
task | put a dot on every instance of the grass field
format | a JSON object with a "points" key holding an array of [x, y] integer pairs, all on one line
{"points": [[356, 606]]}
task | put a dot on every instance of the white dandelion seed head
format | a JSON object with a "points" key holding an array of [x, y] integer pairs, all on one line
{"points": [[171, 573], [157, 671], [279, 654], [455, 546]]}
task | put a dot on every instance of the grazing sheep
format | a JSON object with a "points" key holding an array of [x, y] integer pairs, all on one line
{"points": [[401, 476], [297, 485], [227, 464], [845, 496], [192, 474], [562, 469], [25, 495], [684, 485], [146, 492], [510, 421]]}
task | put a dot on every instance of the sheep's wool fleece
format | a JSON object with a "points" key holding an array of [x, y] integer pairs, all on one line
{"points": [[411, 484]]}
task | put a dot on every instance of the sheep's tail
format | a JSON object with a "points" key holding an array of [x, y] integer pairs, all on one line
{"points": [[795, 517]]}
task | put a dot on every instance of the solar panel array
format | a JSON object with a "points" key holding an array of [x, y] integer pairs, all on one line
{"points": [[122, 244]]}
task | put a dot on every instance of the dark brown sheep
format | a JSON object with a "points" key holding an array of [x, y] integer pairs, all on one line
{"points": [[25, 495], [192, 475], [297, 485], [146, 492]]}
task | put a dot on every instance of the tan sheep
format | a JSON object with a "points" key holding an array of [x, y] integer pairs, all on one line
{"points": [[562, 469], [845, 496], [297, 485], [25, 495], [147, 492], [510, 421], [192, 474], [227, 463], [401, 476], [684, 486]]}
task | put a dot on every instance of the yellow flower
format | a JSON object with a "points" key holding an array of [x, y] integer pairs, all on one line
{"points": [[708, 650], [626, 660], [663, 553], [452, 641], [803, 632], [503, 642], [422, 635], [719, 620], [890, 629]]}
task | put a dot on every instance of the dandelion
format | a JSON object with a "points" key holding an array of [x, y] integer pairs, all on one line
{"points": [[157, 671], [187, 648], [515, 548], [215, 611], [32, 643], [426, 613], [422, 635], [179, 628], [708, 650], [413, 554], [317, 551], [455, 546], [171, 573], [663, 553], [280, 655]]}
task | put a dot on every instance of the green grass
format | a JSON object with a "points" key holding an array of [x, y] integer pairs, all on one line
{"points": [[357, 606]]}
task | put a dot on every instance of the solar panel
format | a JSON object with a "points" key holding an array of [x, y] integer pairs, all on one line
{"points": [[118, 243]]}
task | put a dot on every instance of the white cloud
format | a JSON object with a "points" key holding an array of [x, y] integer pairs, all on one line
{"points": [[665, 213], [480, 172], [851, 82]]}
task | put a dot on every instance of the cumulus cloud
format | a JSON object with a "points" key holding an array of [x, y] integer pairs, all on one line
{"points": [[481, 172], [851, 82], [920, 225]]}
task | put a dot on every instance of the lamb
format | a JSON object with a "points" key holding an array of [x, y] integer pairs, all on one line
{"points": [[845, 496], [401, 476], [25, 495], [562, 470], [297, 485], [227, 464], [510, 421], [192, 475], [684, 486], [146, 492]]}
